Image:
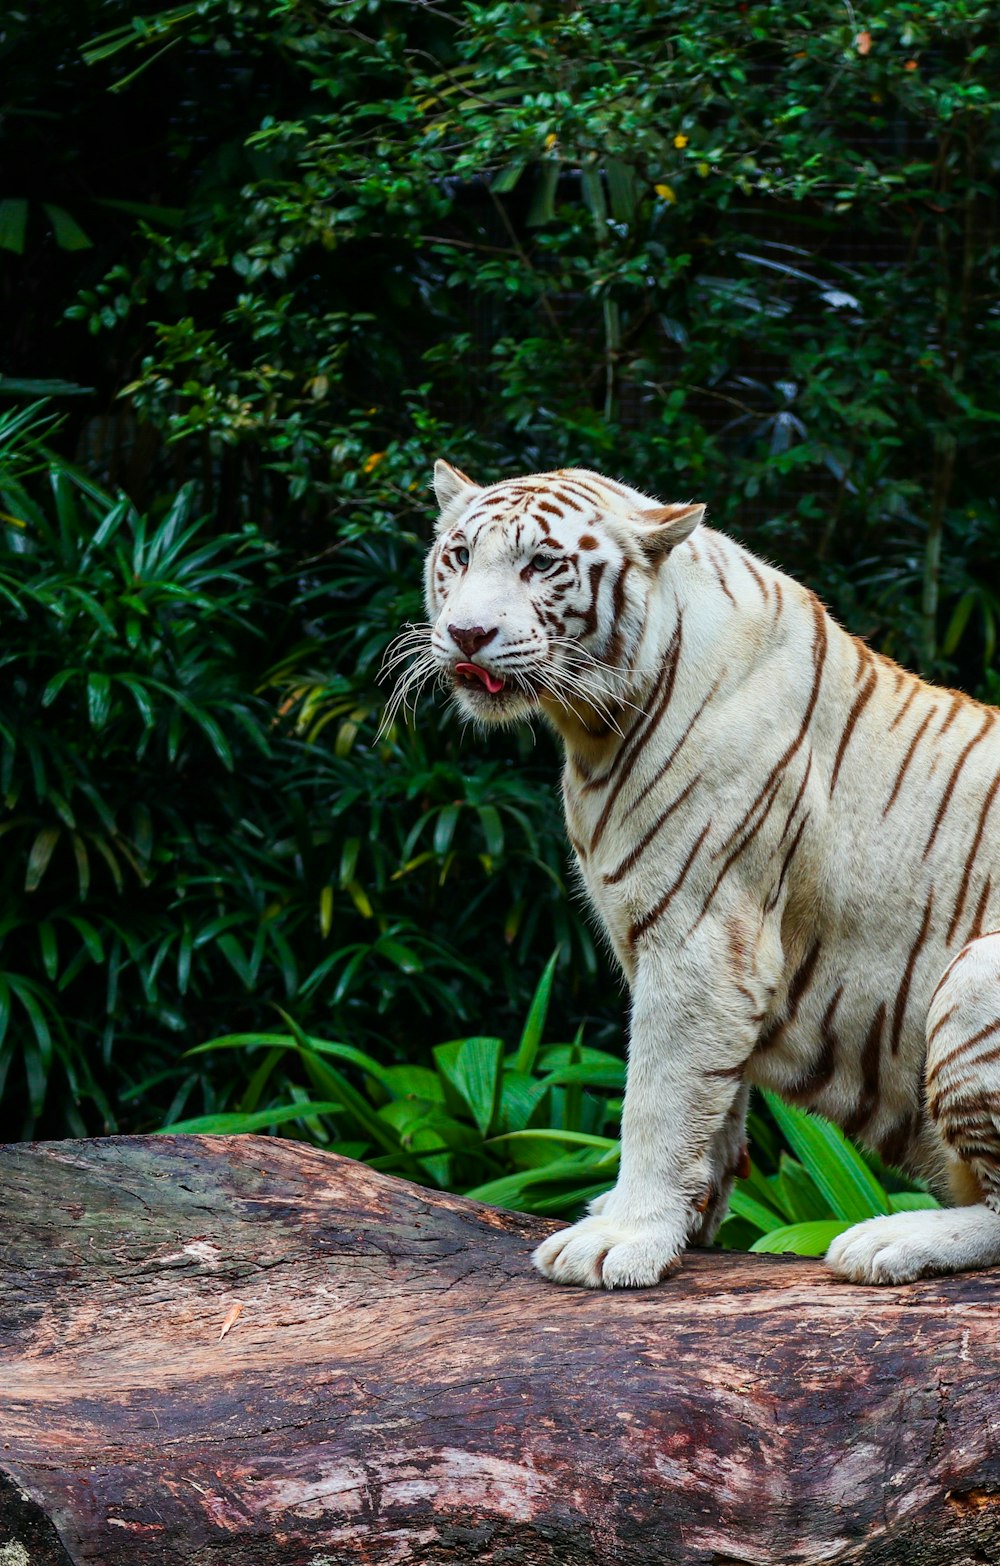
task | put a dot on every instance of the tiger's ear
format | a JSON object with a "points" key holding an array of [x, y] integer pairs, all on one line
{"points": [[451, 485], [662, 528]]}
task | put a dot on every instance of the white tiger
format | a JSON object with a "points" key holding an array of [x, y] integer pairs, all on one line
{"points": [[791, 842]]}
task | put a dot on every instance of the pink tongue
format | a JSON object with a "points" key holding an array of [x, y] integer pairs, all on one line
{"points": [[492, 683]]}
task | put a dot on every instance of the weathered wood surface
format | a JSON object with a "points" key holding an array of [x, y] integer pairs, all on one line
{"points": [[400, 1387]]}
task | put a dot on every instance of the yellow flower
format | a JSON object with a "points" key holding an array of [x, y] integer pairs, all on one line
{"points": [[371, 463], [551, 140], [666, 192], [704, 169], [680, 141]]}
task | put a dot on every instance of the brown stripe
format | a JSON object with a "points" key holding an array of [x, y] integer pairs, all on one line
{"points": [[735, 853], [822, 1070], [723, 583], [904, 709], [903, 993], [958, 701], [988, 721], [666, 765], [819, 660], [649, 919], [614, 648], [594, 574], [862, 699], [748, 562], [800, 982], [871, 1067], [976, 928], [780, 599], [895, 1144], [636, 853], [567, 500], [988, 1057], [942, 1021], [963, 890], [772, 901], [959, 1049], [900, 775], [640, 733], [797, 800]]}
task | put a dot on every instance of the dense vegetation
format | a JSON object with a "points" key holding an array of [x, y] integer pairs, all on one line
{"points": [[264, 263]]}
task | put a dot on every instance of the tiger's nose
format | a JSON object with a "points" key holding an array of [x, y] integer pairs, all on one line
{"points": [[470, 638]]}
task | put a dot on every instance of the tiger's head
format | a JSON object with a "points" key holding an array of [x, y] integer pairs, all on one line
{"points": [[537, 591]]}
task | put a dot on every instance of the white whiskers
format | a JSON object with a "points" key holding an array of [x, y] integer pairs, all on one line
{"points": [[412, 643]]}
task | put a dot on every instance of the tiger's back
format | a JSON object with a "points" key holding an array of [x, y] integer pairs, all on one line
{"points": [[789, 840]]}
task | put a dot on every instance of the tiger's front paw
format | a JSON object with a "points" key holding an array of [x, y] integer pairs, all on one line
{"points": [[601, 1253]]}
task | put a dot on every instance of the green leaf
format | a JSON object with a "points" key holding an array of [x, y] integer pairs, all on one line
{"points": [[13, 224], [745, 1206], [404, 957], [504, 181], [41, 853], [607, 1144], [477, 1077], [444, 829], [69, 234], [542, 208], [534, 1024], [801, 1239], [492, 826], [98, 699], [838, 1171], [236, 1123], [801, 1201], [912, 1201]]}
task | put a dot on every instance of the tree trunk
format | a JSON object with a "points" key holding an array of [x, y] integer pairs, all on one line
{"points": [[399, 1386]]}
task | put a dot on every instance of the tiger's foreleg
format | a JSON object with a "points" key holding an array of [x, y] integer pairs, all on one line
{"points": [[963, 1101], [730, 1160], [682, 1123]]}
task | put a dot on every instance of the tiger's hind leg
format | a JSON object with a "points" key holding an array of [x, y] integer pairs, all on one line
{"points": [[963, 1102]]}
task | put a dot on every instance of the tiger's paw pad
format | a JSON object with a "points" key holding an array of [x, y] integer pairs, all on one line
{"points": [[912, 1245], [598, 1253]]}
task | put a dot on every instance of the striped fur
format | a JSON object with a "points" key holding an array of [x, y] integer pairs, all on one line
{"points": [[792, 843]]}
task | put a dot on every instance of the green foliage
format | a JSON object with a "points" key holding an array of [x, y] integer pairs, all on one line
{"points": [[525, 1128], [806, 1201], [194, 832]]}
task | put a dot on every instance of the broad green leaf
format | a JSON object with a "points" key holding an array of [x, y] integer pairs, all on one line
{"points": [[802, 1201], [477, 1077], [801, 1239], [839, 1172], [912, 1201], [69, 234]]}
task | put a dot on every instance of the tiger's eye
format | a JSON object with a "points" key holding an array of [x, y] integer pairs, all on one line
{"points": [[462, 556], [542, 562]]}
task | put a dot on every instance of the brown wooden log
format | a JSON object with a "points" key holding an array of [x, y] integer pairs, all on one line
{"points": [[399, 1386]]}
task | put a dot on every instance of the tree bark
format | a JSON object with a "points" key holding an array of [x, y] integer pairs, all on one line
{"points": [[400, 1387]]}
